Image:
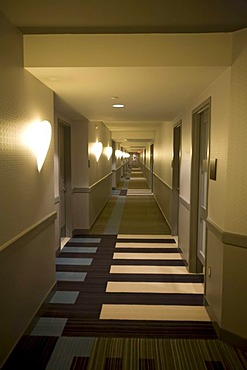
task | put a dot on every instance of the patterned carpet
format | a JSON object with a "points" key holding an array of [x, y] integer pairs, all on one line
{"points": [[124, 302]]}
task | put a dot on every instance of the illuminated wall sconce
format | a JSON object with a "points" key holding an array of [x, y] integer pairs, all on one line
{"points": [[38, 138], [118, 153], [126, 155], [108, 152], [97, 149]]}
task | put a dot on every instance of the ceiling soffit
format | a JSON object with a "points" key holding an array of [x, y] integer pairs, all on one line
{"points": [[127, 50]]}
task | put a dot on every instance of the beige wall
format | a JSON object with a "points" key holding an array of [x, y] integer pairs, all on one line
{"points": [[91, 179], [228, 261], [163, 152], [100, 172], [219, 92], [162, 159], [235, 278], [98, 132], [227, 197], [79, 153], [236, 201], [27, 258]]}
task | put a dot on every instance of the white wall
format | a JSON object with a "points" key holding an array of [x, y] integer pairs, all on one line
{"points": [[27, 258]]}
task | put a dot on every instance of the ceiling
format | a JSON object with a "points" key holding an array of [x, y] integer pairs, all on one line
{"points": [[152, 92]]}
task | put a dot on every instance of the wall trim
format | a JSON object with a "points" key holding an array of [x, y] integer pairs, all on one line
{"points": [[145, 166], [99, 181], [35, 228], [116, 169], [163, 182], [81, 190], [90, 188], [57, 199], [184, 202], [237, 240]]}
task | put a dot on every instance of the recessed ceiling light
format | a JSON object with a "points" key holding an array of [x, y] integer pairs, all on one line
{"points": [[118, 105]]}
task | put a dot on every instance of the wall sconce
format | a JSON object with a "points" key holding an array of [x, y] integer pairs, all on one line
{"points": [[97, 150], [118, 153], [126, 155], [38, 138], [108, 152]]}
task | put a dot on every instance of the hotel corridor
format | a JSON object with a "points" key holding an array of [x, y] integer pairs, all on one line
{"points": [[124, 299]]}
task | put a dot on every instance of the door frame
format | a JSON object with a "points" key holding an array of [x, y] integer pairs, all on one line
{"points": [[68, 184], [176, 163], [195, 264]]}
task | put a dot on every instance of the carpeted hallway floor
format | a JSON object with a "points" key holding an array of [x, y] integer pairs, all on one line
{"points": [[124, 299]]}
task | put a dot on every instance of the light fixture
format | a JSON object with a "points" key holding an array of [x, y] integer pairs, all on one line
{"points": [[97, 149], [108, 151], [118, 105], [126, 155], [118, 153], [37, 137]]}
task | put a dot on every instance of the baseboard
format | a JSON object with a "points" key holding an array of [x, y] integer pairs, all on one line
{"points": [[222, 334], [230, 338], [32, 322]]}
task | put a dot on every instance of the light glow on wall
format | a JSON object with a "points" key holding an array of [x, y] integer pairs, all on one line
{"points": [[108, 152], [37, 137]]}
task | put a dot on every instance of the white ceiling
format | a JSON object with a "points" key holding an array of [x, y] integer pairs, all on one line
{"points": [[152, 93], [149, 93]]}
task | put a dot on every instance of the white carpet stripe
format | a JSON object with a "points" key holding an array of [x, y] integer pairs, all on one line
{"points": [[149, 287], [142, 236], [137, 178], [130, 269], [146, 245], [147, 256], [153, 312], [139, 191]]}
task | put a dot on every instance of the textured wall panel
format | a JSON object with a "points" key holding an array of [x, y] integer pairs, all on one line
{"points": [[26, 196]]}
